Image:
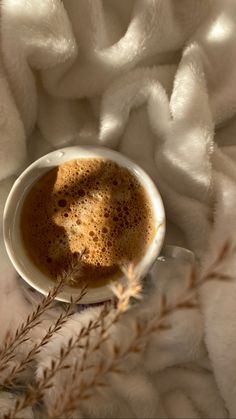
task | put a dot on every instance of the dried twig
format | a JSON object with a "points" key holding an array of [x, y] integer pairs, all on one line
{"points": [[9, 380], [213, 272], [81, 387], [7, 352], [124, 292], [35, 392], [33, 319]]}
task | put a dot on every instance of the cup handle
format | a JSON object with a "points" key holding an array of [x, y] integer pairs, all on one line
{"points": [[176, 252]]}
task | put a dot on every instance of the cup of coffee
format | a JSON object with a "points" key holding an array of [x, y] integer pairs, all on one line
{"points": [[90, 206]]}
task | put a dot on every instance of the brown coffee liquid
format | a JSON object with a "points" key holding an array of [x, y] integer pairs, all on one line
{"points": [[89, 209]]}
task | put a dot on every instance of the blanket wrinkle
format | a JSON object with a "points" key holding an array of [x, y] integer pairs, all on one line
{"points": [[154, 79]]}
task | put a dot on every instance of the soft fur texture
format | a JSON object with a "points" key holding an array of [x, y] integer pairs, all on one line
{"points": [[156, 80]]}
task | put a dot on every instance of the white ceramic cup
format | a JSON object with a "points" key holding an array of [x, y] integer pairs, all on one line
{"points": [[12, 215]]}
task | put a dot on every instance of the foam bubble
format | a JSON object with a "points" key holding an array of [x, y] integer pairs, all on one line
{"points": [[62, 202]]}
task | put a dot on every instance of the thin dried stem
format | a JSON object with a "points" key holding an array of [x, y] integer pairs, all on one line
{"points": [[85, 389], [81, 367], [127, 290], [35, 392], [9, 381], [124, 292], [7, 353], [33, 319], [86, 385], [213, 270]]}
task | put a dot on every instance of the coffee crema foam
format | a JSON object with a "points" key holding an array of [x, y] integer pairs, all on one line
{"points": [[90, 209]]}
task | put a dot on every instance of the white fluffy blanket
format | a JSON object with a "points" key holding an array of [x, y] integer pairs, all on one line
{"points": [[155, 79]]}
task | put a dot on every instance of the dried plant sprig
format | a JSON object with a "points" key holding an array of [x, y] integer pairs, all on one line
{"points": [[127, 290], [131, 288], [123, 292], [213, 270], [84, 389], [35, 392], [80, 366], [144, 329], [34, 318], [70, 309]]}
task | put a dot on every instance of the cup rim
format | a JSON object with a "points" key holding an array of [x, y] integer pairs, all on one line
{"points": [[11, 217]]}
